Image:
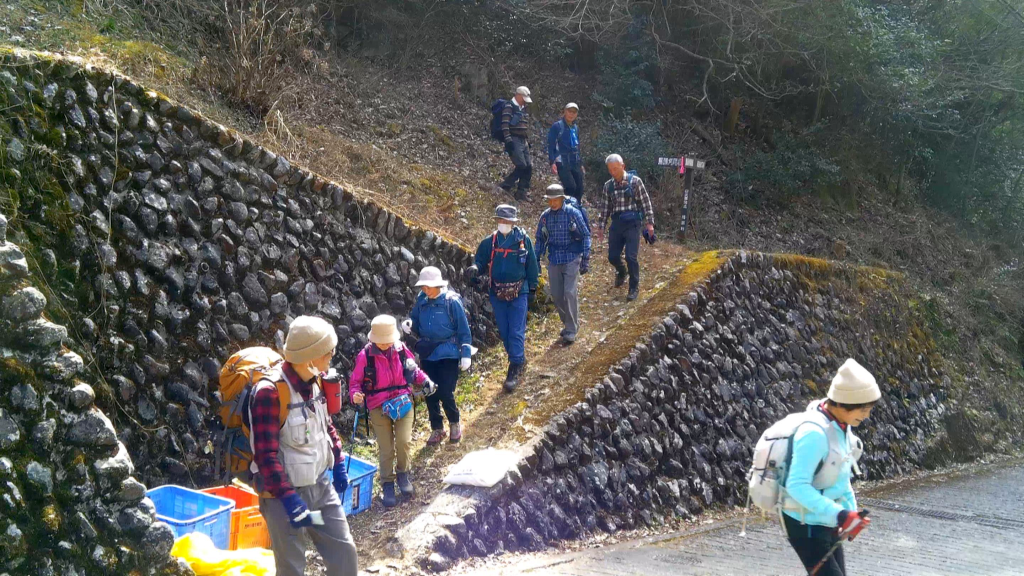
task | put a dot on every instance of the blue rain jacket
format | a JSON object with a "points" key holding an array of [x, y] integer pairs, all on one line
{"points": [[442, 319]]}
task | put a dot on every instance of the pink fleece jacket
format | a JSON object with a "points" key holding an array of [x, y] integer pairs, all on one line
{"points": [[389, 373]]}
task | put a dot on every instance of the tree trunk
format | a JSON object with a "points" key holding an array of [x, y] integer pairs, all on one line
{"points": [[818, 105], [734, 116]]}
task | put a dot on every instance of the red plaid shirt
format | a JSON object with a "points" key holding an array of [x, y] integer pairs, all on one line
{"points": [[265, 426]]}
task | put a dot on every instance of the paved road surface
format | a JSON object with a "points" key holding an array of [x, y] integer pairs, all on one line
{"points": [[960, 526]]}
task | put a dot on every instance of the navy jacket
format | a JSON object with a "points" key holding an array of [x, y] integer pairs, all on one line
{"points": [[564, 144]]}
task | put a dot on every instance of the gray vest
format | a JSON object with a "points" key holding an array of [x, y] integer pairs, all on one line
{"points": [[304, 445]]}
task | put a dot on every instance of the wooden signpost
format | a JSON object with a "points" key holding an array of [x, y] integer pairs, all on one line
{"points": [[687, 166]]}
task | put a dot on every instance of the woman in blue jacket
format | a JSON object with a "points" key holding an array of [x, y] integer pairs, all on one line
{"points": [[445, 347], [819, 507]]}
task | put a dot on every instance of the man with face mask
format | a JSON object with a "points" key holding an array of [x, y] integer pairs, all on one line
{"points": [[508, 257]]}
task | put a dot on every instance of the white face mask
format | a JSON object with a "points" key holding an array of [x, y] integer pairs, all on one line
{"points": [[504, 228]]}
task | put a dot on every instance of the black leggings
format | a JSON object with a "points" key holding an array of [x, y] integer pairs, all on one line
{"points": [[444, 373], [812, 543]]}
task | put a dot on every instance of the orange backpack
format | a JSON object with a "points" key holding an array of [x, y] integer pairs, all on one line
{"points": [[238, 379]]}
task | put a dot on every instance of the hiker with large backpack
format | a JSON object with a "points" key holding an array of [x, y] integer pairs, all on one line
{"points": [[628, 205], [279, 404], [564, 152], [510, 124], [803, 466], [563, 234], [381, 382], [445, 347], [507, 255]]}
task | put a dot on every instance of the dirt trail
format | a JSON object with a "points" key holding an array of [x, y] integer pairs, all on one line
{"points": [[556, 375]]}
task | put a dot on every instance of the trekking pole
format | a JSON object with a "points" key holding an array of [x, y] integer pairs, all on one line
{"points": [[835, 547], [352, 442]]}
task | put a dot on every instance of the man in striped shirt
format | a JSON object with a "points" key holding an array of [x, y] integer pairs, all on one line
{"points": [[514, 124], [628, 205]]}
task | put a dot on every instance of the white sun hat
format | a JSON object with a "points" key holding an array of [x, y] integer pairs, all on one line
{"points": [[430, 276]]}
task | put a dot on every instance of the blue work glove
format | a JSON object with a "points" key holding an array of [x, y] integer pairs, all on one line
{"points": [[298, 513], [340, 478], [509, 147], [531, 297], [584, 265]]}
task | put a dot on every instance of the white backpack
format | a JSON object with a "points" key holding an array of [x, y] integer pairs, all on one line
{"points": [[773, 453]]}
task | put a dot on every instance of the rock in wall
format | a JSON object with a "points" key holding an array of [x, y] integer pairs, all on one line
{"points": [[168, 242], [69, 505], [670, 430]]}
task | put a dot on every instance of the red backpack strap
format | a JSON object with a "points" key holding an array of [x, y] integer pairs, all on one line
{"points": [[494, 248]]}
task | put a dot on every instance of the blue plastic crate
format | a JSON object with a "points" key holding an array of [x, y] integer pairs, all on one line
{"points": [[187, 511], [359, 494]]}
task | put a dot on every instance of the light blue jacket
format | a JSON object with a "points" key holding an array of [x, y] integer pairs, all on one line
{"points": [[443, 319], [811, 448]]}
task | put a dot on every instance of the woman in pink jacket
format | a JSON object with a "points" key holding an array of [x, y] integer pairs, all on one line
{"points": [[381, 380]]}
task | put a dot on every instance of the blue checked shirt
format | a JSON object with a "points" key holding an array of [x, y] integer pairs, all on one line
{"points": [[558, 242]]}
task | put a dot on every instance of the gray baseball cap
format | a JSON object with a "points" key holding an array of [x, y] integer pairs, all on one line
{"points": [[506, 212]]}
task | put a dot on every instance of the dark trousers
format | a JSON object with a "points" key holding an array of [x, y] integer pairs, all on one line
{"points": [[523, 171], [572, 180], [444, 373], [625, 235], [812, 543]]}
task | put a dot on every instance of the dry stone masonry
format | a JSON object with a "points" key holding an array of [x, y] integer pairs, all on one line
{"points": [[168, 242], [670, 431], [69, 505]]}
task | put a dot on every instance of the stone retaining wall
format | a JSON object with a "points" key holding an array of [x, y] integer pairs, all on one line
{"points": [[168, 242], [69, 505], [669, 432]]}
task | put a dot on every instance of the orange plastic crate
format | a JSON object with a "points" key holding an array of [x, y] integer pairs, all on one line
{"points": [[248, 528]]}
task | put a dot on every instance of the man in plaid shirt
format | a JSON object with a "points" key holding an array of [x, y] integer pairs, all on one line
{"points": [[628, 205], [266, 431], [292, 457], [563, 233]]}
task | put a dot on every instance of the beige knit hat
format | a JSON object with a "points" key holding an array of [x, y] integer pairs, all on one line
{"points": [[853, 384], [309, 338], [384, 330]]}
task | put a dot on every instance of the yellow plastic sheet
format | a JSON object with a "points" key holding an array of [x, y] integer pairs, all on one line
{"points": [[207, 560]]}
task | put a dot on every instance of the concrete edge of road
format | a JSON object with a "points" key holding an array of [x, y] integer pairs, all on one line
{"points": [[871, 493]]}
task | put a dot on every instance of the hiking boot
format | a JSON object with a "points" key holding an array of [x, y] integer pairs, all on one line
{"points": [[510, 377], [620, 279], [405, 485], [456, 433], [568, 341], [389, 495], [633, 293], [522, 196], [436, 437], [515, 373]]}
